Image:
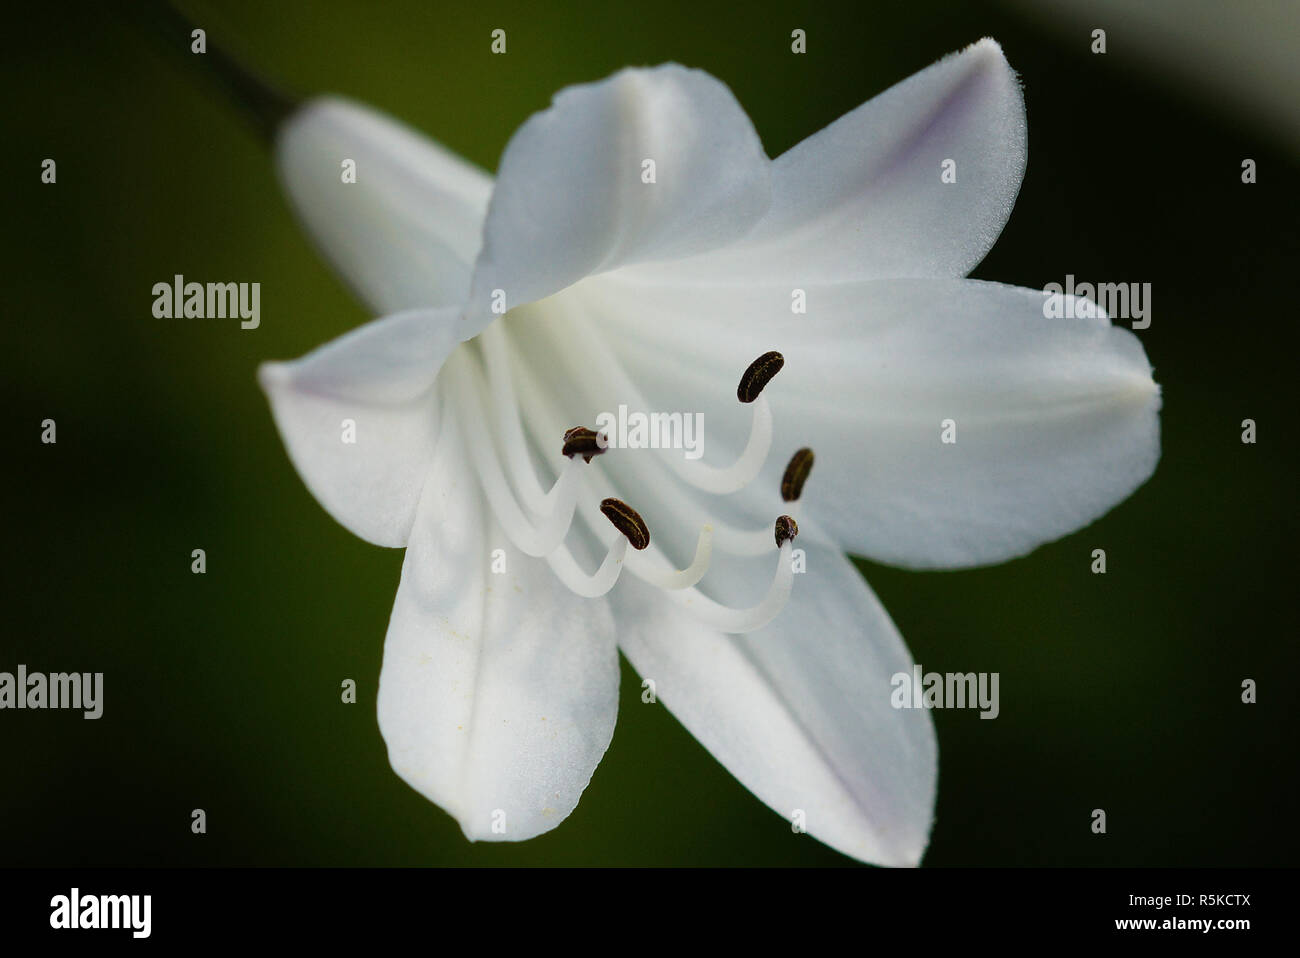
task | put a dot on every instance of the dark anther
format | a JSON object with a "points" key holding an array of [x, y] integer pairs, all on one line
{"points": [[584, 442], [786, 529], [627, 521], [796, 474], [758, 375]]}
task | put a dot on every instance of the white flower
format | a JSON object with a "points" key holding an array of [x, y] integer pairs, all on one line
{"points": [[499, 690]]}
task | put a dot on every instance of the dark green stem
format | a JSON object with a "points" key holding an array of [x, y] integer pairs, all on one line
{"points": [[260, 102]]}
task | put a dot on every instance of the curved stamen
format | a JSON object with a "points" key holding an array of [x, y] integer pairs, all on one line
{"points": [[651, 565], [532, 540], [747, 466], [567, 571], [724, 618], [629, 522], [633, 532], [672, 579], [501, 386]]}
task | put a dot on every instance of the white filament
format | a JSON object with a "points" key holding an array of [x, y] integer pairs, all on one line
{"points": [[501, 387], [672, 579], [537, 541], [566, 568], [724, 618]]}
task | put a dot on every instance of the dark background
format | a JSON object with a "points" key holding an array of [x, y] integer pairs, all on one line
{"points": [[222, 691]]}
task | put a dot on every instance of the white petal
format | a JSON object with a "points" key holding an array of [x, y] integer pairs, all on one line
{"points": [[380, 377], [571, 199], [1056, 419], [864, 198], [499, 691], [800, 711], [405, 234]]}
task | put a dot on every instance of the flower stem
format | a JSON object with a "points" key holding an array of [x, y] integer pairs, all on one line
{"points": [[262, 103]]}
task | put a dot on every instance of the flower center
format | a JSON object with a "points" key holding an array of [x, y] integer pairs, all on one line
{"points": [[490, 384]]}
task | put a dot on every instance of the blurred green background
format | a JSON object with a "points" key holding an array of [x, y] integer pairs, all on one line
{"points": [[222, 691]]}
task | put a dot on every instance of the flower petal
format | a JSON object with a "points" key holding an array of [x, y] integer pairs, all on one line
{"points": [[571, 196], [499, 692], [1056, 420], [800, 711], [864, 198], [380, 378], [405, 233]]}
